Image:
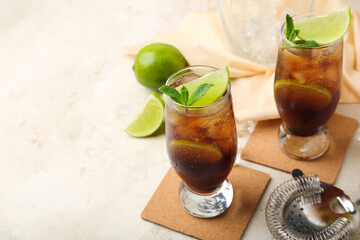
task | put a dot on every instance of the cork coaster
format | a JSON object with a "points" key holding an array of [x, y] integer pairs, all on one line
{"points": [[164, 207], [263, 148]]}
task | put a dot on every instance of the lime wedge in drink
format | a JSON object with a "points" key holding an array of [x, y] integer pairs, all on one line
{"points": [[315, 96], [220, 79], [149, 118], [197, 151], [325, 29]]}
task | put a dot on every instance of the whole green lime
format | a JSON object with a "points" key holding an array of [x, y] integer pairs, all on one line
{"points": [[155, 63]]}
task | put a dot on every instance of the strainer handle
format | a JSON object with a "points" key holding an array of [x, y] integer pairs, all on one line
{"points": [[297, 173], [357, 202]]}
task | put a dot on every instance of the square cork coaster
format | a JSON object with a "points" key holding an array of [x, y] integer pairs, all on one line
{"points": [[263, 148], [164, 207]]}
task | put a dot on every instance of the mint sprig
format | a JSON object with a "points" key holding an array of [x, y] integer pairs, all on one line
{"points": [[289, 26], [291, 33], [182, 97]]}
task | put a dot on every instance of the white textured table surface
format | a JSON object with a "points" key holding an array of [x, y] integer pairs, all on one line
{"points": [[67, 169]]}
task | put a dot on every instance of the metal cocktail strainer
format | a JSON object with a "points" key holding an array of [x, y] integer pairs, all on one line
{"points": [[304, 208]]}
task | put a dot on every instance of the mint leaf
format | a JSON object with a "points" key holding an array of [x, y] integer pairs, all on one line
{"points": [[184, 95], [306, 43], [199, 92], [291, 33], [289, 26], [172, 93]]}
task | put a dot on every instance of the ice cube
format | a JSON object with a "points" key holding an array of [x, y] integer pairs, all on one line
{"points": [[185, 79]]}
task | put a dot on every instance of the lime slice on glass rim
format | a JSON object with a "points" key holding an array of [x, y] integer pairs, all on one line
{"points": [[149, 118], [220, 79], [309, 93], [325, 29], [197, 151]]}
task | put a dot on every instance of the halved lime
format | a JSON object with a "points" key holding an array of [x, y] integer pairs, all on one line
{"points": [[315, 96], [220, 79], [325, 29], [149, 118], [197, 151]]}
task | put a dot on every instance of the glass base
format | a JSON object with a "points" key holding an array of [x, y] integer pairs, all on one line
{"points": [[304, 148], [206, 205]]}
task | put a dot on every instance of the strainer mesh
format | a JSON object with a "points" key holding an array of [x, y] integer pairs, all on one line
{"points": [[305, 190]]}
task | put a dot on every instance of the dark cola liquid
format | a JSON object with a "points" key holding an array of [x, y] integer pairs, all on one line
{"points": [[202, 149], [307, 87], [303, 118]]}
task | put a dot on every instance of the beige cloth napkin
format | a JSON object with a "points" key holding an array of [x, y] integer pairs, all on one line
{"points": [[201, 39]]}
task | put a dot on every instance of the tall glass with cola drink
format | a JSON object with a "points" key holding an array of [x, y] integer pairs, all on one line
{"points": [[307, 90], [202, 145]]}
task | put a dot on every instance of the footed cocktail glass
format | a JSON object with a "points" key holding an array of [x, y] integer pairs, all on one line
{"points": [[202, 145], [307, 90]]}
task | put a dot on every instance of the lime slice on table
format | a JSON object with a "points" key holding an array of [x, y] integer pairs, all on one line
{"points": [[197, 151], [220, 79], [149, 118], [315, 96], [325, 29]]}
